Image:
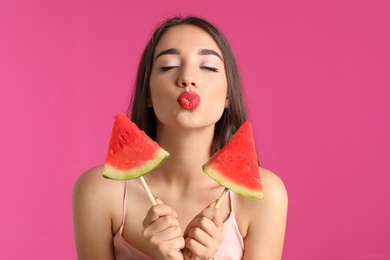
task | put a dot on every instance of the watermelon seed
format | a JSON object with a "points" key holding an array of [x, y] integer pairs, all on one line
{"points": [[120, 145]]}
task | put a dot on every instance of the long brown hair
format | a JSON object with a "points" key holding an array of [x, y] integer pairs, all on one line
{"points": [[233, 116]]}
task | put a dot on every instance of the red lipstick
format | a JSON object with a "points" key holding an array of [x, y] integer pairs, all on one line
{"points": [[189, 100]]}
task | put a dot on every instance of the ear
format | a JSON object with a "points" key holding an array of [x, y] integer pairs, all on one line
{"points": [[150, 103], [227, 103]]}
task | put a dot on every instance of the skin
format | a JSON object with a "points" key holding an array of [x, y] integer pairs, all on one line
{"points": [[188, 67], [184, 224]]}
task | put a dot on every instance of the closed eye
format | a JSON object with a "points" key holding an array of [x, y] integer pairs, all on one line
{"points": [[166, 68], [213, 69]]}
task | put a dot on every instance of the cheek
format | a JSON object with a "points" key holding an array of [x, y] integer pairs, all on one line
{"points": [[219, 90], [161, 99], [217, 95], [155, 90]]}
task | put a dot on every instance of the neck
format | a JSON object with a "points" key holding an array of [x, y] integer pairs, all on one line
{"points": [[189, 150]]}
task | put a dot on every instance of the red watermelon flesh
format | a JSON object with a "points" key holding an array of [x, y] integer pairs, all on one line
{"points": [[131, 153], [235, 166]]}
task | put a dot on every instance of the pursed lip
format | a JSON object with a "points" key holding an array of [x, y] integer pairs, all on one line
{"points": [[189, 100]]}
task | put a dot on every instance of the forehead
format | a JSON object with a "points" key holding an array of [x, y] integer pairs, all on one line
{"points": [[186, 37]]}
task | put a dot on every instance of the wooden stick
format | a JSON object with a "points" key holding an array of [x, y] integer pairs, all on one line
{"points": [[148, 190], [219, 201]]}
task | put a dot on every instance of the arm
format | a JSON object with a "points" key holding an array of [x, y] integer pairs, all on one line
{"points": [[267, 220], [92, 221]]}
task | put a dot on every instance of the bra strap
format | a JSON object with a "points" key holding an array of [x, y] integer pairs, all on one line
{"points": [[124, 205], [231, 201]]}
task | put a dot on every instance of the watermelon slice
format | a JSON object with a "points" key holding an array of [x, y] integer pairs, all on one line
{"points": [[131, 153], [235, 166]]}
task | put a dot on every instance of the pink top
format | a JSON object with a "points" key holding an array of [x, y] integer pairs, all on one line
{"points": [[231, 248]]}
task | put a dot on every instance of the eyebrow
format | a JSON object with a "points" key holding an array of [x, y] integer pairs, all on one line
{"points": [[171, 51], [209, 52], [174, 51]]}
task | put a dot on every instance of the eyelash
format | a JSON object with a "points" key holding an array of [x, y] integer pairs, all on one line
{"points": [[213, 69], [166, 68]]}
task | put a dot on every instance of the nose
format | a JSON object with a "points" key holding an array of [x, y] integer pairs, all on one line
{"points": [[187, 78], [187, 83]]}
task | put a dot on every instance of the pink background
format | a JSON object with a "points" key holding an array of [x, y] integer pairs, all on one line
{"points": [[316, 74]]}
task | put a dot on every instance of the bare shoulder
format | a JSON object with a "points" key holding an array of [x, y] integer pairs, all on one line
{"points": [[94, 178], [262, 222], [273, 187], [274, 190], [90, 183], [96, 204], [93, 189], [90, 179]]}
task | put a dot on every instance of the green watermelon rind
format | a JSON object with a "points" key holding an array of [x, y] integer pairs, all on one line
{"points": [[239, 189], [114, 173]]}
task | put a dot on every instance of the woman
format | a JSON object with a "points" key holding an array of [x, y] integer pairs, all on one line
{"points": [[115, 219]]}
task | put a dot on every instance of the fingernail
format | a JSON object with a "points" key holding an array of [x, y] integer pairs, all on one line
{"points": [[175, 214]]}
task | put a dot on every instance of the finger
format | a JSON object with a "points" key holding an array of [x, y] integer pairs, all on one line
{"points": [[155, 212], [169, 249], [167, 227], [200, 235], [160, 202], [214, 215], [212, 204], [209, 220], [208, 228], [169, 235], [177, 243], [198, 250], [205, 231]]}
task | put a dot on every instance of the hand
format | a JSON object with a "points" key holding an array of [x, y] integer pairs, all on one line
{"points": [[162, 232], [204, 234]]}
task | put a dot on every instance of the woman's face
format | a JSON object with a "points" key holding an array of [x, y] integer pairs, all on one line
{"points": [[188, 85]]}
